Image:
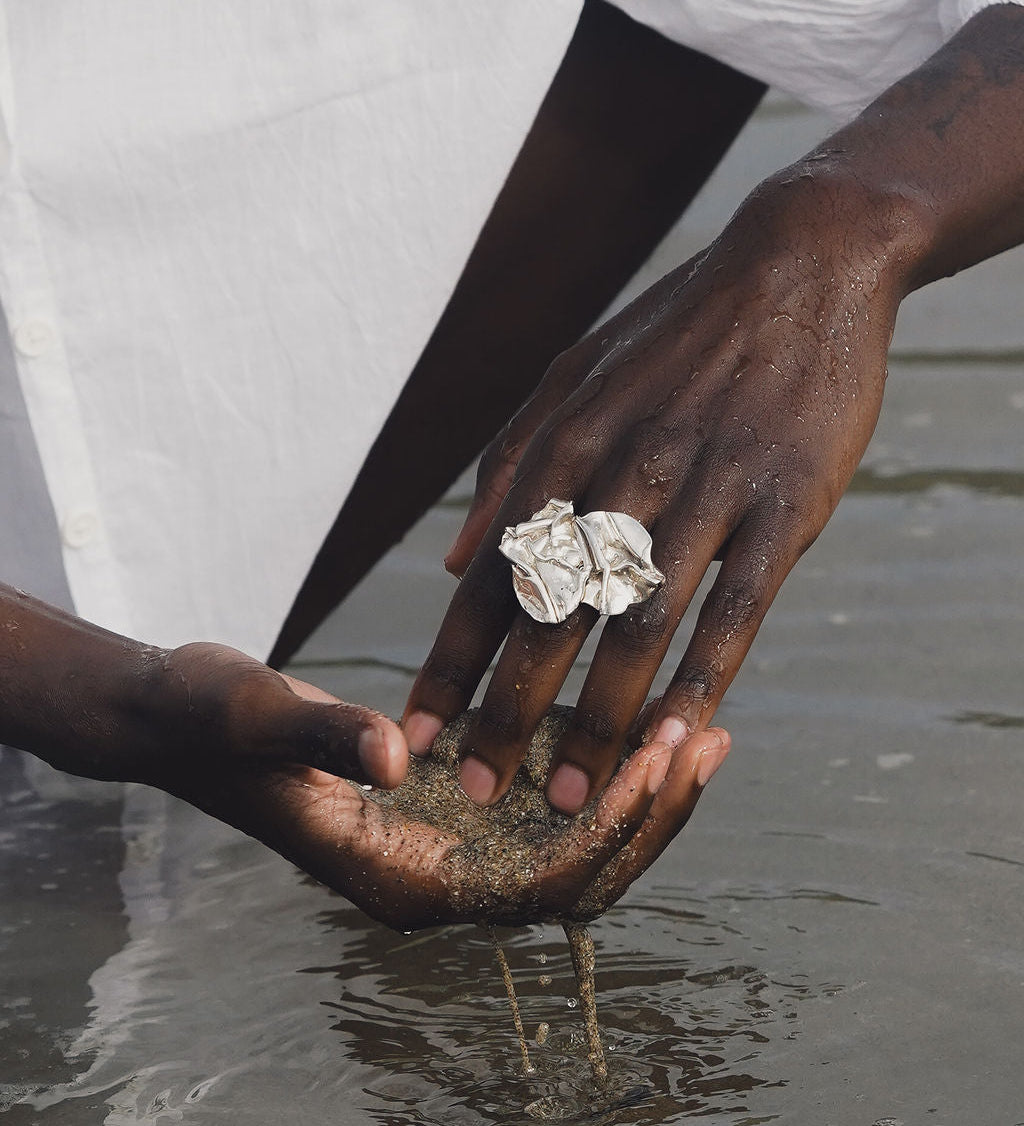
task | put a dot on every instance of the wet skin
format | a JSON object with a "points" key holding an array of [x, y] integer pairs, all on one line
{"points": [[727, 409], [265, 752]]}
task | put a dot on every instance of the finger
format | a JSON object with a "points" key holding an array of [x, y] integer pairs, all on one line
{"points": [[631, 650], [494, 478], [758, 559], [500, 460], [484, 605], [299, 723], [692, 766], [525, 683], [589, 842], [479, 616]]}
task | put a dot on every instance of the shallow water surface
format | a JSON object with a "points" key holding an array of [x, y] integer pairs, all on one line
{"points": [[835, 939]]}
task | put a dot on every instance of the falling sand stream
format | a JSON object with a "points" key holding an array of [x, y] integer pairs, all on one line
{"points": [[496, 852]]}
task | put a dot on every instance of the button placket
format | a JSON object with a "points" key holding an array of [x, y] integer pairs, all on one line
{"points": [[80, 528], [33, 337]]}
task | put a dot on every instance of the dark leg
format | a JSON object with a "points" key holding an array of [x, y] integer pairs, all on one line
{"points": [[629, 131]]}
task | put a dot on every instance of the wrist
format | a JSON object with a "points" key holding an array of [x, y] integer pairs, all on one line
{"points": [[867, 232]]}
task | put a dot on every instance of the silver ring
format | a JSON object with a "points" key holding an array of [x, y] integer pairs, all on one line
{"points": [[560, 560]]}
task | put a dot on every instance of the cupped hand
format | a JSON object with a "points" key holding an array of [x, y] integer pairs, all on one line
{"points": [[220, 706], [410, 874], [726, 409]]}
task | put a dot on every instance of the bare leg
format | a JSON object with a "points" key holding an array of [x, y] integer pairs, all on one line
{"points": [[629, 131]]}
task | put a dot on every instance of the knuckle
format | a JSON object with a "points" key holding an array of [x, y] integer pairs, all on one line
{"points": [[596, 725], [499, 459], [500, 720], [736, 604], [448, 673], [697, 682], [645, 626], [571, 439]]}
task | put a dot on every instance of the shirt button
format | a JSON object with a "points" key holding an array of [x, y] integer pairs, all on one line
{"points": [[32, 338], [79, 528]]}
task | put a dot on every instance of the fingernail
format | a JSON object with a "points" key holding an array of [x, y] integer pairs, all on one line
{"points": [[671, 730], [477, 780], [421, 729], [708, 763], [568, 788], [658, 768]]}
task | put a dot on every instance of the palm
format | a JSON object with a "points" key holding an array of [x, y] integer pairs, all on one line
{"points": [[409, 874]]}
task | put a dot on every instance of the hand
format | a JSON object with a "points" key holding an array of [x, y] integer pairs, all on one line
{"points": [[224, 706], [103, 706], [726, 409], [410, 874]]}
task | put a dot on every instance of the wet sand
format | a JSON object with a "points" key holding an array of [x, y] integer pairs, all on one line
{"points": [[834, 939]]}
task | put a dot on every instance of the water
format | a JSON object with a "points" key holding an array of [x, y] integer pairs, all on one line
{"points": [[835, 939]]}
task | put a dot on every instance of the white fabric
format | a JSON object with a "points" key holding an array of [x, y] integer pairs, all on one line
{"points": [[226, 232], [834, 55]]}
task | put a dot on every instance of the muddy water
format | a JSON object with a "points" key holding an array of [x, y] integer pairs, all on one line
{"points": [[835, 939]]}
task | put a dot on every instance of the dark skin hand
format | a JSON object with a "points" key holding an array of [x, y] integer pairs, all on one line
{"points": [[94, 703], [727, 409], [265, 752], [403, 872]]}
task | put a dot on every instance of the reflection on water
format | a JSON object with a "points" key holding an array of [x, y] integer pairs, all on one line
{"points": [[59, 860], [681, 1020]]}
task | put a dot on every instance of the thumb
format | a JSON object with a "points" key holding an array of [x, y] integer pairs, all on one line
{"points": [[307, 725], [237, 707]]}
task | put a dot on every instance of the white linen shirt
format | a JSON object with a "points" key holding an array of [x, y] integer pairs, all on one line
{"points": [[832, 55], [226, 232], [228, 229]]}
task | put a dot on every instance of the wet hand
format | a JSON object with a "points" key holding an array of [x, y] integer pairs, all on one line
{"points": [[221, 706], [410, 874], [726, 409]]}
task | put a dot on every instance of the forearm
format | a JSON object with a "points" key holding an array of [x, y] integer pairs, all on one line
{"points": [[72, 693], [937, 161]]}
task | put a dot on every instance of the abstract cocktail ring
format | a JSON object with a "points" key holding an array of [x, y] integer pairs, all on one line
{"points": [[560, 560]]}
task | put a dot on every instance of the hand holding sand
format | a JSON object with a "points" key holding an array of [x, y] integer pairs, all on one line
{"points": [[424, 854]]}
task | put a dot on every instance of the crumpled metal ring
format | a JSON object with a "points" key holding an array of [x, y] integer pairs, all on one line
{"points": [[560, 560]]}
